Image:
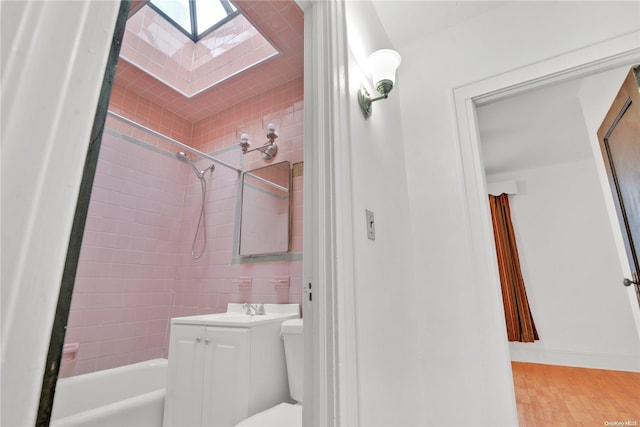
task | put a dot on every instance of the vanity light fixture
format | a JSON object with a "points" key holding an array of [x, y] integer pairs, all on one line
{"points": [[383, 64], [269, 150]]}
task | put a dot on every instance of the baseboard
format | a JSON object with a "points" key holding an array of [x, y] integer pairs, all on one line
{"points": [[617, 362]]}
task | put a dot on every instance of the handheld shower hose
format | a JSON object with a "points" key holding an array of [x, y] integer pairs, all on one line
{"points": [[180, 155]]}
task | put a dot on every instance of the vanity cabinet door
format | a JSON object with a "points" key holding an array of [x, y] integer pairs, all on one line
{"points": [[227, 377], [183, 401]]}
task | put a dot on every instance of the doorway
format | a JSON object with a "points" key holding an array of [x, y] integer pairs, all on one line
{"points": [[622, 52], [535, 147]]}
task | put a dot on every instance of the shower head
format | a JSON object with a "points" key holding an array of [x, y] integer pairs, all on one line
{"points": [[182, 156]]}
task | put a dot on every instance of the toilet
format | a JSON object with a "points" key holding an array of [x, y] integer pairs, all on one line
{"points": [[286, 414]]}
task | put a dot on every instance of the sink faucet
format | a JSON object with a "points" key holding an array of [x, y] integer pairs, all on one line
{"points": [[259, 309]]}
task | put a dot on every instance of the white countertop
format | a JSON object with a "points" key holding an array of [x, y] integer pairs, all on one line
{"points": [[236, 316]]}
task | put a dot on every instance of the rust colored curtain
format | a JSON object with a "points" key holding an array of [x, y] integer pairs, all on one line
{"points": [[520, 325]]}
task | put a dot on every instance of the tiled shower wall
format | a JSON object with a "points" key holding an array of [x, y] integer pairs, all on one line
{"points": [[124, 288], [136, 270]]}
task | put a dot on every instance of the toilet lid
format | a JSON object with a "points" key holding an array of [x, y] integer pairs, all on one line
{"points": [[282, 415]]}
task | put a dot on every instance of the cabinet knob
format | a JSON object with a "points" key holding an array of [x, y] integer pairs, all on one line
{"points": [[207, 340], [198, 339]]}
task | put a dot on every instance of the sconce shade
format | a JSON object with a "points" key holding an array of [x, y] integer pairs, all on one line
{"points": [[383, 65], [244, 142]]}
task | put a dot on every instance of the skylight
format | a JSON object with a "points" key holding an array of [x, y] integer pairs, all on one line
{"points": [[195, 18], [163, 51]]}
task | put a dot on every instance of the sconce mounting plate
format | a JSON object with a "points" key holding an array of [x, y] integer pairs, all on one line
{"points": [[269, 150], [364, 99]]}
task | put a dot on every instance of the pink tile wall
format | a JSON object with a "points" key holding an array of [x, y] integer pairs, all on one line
{"points": [[208, 284], [136, 270], [127, 103], [124, 284], [283, 107]]}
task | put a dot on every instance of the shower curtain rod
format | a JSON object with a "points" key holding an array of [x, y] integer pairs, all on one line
{"points": [[171, 140], [266, 181]]}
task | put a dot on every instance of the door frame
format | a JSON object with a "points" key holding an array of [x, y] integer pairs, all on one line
{"points": [[331, 383], [615, 52]]}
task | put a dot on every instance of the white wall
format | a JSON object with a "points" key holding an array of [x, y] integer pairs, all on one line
{"points": [[462, 342], [49, 97], [571, 270], [388, 363], [596, 95]]}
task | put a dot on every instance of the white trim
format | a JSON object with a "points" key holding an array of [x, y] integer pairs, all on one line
{"points": [[606, 55], [522, 352], [500, 187], [331, 397], [622, 50]]}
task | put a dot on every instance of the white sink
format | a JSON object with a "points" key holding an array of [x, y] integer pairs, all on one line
{"points": [[236, 316]]}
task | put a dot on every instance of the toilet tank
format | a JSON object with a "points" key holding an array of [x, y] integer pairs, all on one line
{"points": [[294, 355]]}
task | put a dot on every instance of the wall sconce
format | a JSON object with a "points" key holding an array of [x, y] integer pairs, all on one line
{"points": [[269, 150], [383, 64]]}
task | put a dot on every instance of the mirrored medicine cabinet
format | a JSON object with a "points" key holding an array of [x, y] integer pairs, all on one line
{"points": [[265, 220]]}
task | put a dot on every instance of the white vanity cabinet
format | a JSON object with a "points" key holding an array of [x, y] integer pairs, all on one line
{"points": [[219, 374], [207, 363]]}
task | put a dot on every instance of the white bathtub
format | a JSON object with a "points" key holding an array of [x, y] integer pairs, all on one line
{"points": [[131, 395]]}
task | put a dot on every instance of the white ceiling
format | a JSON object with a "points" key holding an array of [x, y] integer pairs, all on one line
{"points": [[407, 20], [534, 129]]}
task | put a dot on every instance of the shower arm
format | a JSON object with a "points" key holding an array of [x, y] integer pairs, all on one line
{"points": [[171, 140]]}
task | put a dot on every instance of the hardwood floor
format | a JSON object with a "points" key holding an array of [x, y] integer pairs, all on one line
{"points": [[549, 395]]}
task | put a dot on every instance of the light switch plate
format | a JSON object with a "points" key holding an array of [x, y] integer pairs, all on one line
{"points": [[371, 226]]}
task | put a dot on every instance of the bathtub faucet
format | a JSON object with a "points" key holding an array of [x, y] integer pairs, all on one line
{"points": [[253, 309]]}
